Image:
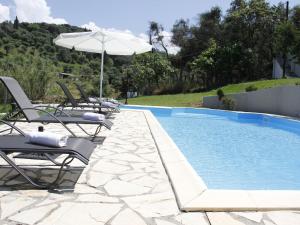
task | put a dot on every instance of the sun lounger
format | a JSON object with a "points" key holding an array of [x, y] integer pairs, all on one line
{"points": [[86, 98], [31, 113], [78, 148], [70, 101]]}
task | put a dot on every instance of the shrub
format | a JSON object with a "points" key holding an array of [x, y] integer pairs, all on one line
{"points": [[297, 83], [220, 94], [251, 88], [228, 103]]}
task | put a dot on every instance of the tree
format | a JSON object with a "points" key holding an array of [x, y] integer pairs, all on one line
{"points": [[149, 71], [285, 36], [205, 65], [251, 24], [16, 23], [181, 33], [209, 27], [194, 39], [296, 21], [296, 17], [64, 55], [156, 36], [32, 71]]}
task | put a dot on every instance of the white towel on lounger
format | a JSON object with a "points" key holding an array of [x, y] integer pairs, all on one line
{"points": [[108, 104], [47, 138], [93, 116], [93, 100]]}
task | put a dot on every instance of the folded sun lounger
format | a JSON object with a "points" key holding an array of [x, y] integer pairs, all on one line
{"points": [[78, 148], [31, 113]]}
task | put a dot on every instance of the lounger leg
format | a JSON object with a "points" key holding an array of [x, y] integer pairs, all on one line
{"points": [[20, 171], [66, 161], [97, 132], [91, 135], [55, 162], [9, 129], [56, 110]]}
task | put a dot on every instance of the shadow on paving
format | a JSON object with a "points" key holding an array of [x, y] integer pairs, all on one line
{"points": [[10, 179]]}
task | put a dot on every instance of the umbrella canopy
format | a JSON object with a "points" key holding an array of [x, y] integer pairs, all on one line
{"points": [[111, 42]]}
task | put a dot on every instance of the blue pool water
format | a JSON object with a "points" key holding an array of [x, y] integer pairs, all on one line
{"points": [[236, 150]]}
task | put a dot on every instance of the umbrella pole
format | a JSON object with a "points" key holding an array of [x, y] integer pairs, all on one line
{"points": [[101, 74]]}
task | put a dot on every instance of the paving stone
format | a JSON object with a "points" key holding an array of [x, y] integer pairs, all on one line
{"points": [[192, 218], [158, 209], [98, 179], [82, 179], [141, 165], [284, 218], [82, 213], [126, 157], [126, 217], [108, 167], [125, 163], [222, 218], [53, 198], [160, 175], [153, 205], [154, 169], [131, 171], [60, 212], [118, 187], [145, 151], [103, 152], [267, 222], [131, 176], [85, 189], [31, 216], [2, 193], [150, 156], [96, 198], [163, 222], [34, 193], [254, 216], [12, 204], [146, 181], [162, 187]]}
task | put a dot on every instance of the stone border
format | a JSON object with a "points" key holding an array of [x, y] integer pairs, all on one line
{"points": [[193, 195]]}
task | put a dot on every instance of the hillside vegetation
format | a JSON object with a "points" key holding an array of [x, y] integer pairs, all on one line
{"points": [[27, 52], [195, 99]]}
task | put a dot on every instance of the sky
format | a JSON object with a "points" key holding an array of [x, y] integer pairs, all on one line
{"points": [[123, 15]]}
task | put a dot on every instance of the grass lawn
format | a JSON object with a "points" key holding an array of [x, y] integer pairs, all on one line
{"points": [[195, 99]]}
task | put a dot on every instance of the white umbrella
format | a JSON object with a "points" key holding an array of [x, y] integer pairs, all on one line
{"points": [[111, 42]]}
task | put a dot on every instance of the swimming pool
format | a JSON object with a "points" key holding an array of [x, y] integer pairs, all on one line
{"points": [[236, 151]]}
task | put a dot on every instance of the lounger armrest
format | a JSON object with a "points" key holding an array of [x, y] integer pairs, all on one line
{"points": [[51, 115], [13, 127], [56, 108]]}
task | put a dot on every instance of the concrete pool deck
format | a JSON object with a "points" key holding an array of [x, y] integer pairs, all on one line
{"points": [[124, 184]]}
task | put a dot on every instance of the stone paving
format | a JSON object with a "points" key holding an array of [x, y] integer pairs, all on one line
{"points": [[124, 184]]}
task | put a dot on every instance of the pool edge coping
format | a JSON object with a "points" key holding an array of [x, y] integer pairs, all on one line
{"points": [[193, 195]]}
